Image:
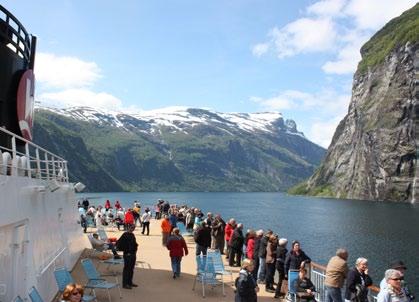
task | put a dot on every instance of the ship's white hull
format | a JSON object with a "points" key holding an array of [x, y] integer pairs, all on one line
{"points": [[38, 232]]}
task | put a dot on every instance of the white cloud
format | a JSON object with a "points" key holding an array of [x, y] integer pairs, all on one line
{"points": [[348, 56], [340, 26], [80, 97], [373, 14], [302, 36], [66, 81], [321, 132], [65, 72], [327, 7], [260, 49]]}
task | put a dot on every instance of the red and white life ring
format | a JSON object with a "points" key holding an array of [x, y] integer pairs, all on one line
{"points": [[25, 103]]}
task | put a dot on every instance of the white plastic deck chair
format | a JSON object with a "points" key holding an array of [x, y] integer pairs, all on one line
{"points": [[207, 275], [95, 280], [219, 264], [102, 234]]}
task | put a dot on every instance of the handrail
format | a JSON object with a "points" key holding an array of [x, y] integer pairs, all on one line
{"points": [[318, 274], [52, 261], [33, 162], [22, 43]]}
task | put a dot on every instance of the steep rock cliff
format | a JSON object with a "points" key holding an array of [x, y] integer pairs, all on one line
{"points": [[373, 152]]}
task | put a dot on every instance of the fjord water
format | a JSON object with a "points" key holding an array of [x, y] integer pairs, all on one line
{"points": [[382, 232]]}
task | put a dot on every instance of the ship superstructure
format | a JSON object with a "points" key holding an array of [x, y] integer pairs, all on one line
{"points": [[38, 229]]}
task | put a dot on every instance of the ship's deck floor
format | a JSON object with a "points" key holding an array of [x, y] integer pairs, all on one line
{"points": [[153, 274]]}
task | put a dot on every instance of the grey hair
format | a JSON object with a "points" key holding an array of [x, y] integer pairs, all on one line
{"points": [[391, 273], [259, 232], [360, 261]]}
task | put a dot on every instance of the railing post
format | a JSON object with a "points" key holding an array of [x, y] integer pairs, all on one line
{"points": [[38, 164], [28, 161], [13, 170], [66, 171], [53, 168], [47, 166]]}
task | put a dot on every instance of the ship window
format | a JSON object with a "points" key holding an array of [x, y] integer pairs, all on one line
{"points": [[22, 45], [3, 16], [12, 47], [20, 54], [13, 25], [14, 38]]}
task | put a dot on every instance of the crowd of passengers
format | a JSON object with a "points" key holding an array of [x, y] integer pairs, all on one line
{"points": [[260, 254]]}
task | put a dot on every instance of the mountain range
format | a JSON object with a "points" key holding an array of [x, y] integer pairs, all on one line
{"points": [[178, 149]]}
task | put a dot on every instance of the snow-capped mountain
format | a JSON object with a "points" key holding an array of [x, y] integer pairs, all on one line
{"points": [[178, 149], [182, 119]]}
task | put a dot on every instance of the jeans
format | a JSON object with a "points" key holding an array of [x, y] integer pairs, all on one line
{"points": [[333, 294], [262, 269], [176, 265]]}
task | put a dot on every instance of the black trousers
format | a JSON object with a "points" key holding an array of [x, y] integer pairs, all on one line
{"points": [[128, 271], [270, 273], [281, 278], [146, 225], [235, 253], [255, 270]]}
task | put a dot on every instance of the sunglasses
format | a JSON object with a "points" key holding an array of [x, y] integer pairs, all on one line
{"points": [[76, 293], [397, 279]]}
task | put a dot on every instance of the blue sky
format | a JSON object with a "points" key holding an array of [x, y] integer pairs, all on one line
{"points": [[295, 57]]}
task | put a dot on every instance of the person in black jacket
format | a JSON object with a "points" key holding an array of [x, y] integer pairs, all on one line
{"points": [[236, 244], [203, 239], [281, 253], [304, 286], [358, 281], [296, 258], [246, 287], [262, 256], [128, 244]]}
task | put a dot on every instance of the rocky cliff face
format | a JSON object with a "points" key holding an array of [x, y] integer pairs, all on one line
{"points": [[373, 153]]}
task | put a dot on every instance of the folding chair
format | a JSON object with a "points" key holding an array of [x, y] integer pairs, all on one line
{"points": [[63, 278], [34, 295], [292, 281], [182, 229], [18, 299], [219, 264], [206, 274], [102, 234], [95, 280]]}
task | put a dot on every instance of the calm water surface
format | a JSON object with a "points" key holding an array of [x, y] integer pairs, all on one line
{"points": [[379, 231]]}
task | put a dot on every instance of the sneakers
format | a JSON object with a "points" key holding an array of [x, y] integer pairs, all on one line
{"points": [[134, 285]]}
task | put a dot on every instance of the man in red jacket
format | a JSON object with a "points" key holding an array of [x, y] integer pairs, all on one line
{"points": [[177, 247], [129, 219], [229, 229]]}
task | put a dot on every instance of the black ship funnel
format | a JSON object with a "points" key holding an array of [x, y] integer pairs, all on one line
{"points": [[17, 81]]}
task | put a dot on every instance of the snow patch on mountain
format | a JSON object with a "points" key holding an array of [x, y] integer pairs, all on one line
{"points": [[183, 118]]}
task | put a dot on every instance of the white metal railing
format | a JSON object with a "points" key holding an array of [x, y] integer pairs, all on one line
{"points": [[318, 275], [29, 160]]}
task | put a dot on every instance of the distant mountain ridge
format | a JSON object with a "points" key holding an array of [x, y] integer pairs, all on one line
{"points": [[178, 149]]}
